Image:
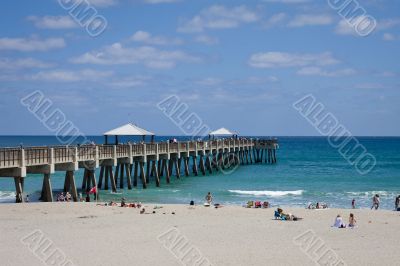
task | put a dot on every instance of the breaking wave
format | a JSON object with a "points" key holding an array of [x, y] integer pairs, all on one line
{"points": [[268, 193]]}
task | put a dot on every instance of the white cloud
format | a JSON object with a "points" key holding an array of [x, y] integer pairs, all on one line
{"points": [[280, 59], [206, 39], [287, 1], [310, 20], [102, 3], [150, 57], [219, 17], [276, 19], [71, 76], [369, 86], [385, 24], [317, 71], [29, 45], [147, 38], [210, 81], [160, 1], [53, 22], [388, 37], [345, 27], [131, 82], [13, 64]]}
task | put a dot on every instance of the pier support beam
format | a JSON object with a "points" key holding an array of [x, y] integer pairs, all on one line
{"points": [[47, 192], [128, 175], [70, 185], [101, 177], [155, 172], [112, 179], [19, 189], [177, 168], [143, 175], [135, 176], [148, 172], [186, 162], [195, 172], [201, 164], [208, 163]]}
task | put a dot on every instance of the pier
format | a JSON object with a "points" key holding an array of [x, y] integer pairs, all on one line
{"points": [[130, 164]]}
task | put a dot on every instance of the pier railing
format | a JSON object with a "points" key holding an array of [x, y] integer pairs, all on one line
{"points": [[32, 156]]}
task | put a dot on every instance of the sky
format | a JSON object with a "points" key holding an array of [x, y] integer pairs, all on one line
{"points": [[235, 64]]}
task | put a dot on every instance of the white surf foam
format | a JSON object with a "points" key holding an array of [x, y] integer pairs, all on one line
{"points": [[268, 193], [7, 196]]}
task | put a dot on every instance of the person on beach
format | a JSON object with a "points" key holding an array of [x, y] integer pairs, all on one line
{"points": [[339, 222], [396, 203], [375, 202], [353, 203], [87, 196], [352, 221], [61, 197], [68, 197], [209, 198], [123, 203], [27, 198]]}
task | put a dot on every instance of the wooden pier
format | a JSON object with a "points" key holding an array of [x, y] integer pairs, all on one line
{"points": [[125, 164]]}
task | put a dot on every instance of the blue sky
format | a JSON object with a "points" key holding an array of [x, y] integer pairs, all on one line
{"points": [[238, 64]]}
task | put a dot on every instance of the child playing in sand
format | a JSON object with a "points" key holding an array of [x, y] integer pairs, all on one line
{"points": [[352, 220]]}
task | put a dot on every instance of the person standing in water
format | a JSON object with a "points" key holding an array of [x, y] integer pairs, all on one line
{"points": [[353, 203], [396, 203], [209, 198], [375, 202]]}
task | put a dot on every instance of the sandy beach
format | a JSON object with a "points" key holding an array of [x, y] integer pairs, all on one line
{"points": [[231, 235]]}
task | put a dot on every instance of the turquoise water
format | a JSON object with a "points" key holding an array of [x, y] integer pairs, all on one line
{"points": [[308, 170]]}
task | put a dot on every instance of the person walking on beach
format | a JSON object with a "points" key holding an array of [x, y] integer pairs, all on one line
{"points": [[396, 203], [209, 198], [353, 203], [375, 202]]}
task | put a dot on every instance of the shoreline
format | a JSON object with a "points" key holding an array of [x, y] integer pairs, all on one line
{"points": [[115, 235], [11, 201]]}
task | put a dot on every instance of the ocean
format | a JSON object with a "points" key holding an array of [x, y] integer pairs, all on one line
{"points": [[308, 170]]}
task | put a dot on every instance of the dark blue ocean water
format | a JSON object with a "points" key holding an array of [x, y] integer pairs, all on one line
{"points": [[308, 170]]}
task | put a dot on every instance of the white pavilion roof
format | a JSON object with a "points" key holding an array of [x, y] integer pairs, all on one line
{"points": [[129, 130], [222, 132]]}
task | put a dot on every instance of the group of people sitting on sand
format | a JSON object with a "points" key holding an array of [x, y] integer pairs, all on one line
{"points": [[258, 204], [339, 223], [124, 204], [280, 215], [319, 205], [64, 197]]}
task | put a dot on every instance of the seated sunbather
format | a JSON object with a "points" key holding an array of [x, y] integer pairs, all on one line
{"points": [[250, 204]]}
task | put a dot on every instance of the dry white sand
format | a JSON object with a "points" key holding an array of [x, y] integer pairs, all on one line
{"points": [[94, 235]]}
